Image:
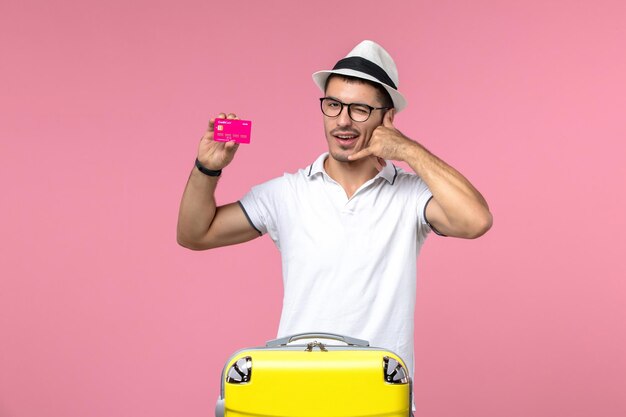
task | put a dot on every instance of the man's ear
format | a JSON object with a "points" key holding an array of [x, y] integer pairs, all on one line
{"points": [[388, 118]]}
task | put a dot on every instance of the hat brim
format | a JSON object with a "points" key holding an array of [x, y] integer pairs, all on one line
{"points": [[320, 77]]}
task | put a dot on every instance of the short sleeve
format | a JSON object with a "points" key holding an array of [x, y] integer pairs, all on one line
{"points": [[423, 197], [261, 205], [416, 195]]}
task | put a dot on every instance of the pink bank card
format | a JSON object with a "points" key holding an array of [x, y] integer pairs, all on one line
{"points": [[225, 130]]}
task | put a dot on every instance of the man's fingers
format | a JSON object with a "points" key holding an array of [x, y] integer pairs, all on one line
{"points": [[212, 121], [231, 146], [361, 154], [232, 116]]}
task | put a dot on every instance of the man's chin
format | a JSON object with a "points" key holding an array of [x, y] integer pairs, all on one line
{"points": [[341, 156]]}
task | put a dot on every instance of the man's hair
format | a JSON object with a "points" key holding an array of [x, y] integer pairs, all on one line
{"points": [[382, 94]]}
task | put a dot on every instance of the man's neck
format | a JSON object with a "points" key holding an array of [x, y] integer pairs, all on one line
{"points": [[350, 175]]}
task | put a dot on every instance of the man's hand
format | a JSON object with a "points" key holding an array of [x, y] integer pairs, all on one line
{"points": [[201, 224], [216, 155], [386, 142], [457, 209]]}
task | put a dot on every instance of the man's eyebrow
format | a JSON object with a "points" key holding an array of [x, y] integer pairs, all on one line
{"points": [[362, 104]]}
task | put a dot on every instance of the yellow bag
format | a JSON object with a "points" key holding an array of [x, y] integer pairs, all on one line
{"points": [[315, 379]]}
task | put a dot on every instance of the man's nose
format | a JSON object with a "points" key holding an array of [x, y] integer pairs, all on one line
{"points": [[344, 117]]}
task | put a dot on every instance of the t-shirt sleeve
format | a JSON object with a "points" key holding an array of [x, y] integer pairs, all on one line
{"points": [[420, 195], [260, 205], [423, 196]]}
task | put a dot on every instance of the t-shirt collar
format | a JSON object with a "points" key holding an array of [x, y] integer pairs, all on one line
{"points": [[388, 172]]}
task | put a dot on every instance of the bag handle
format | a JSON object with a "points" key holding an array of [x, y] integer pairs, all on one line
{"points": [[333, 336]]}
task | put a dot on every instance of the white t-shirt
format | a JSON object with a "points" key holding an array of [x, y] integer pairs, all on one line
{"points": [[349, 265]]}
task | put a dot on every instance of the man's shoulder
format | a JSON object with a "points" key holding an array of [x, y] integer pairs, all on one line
{"points": [[403, 177], [287, 180], [298, 175]]}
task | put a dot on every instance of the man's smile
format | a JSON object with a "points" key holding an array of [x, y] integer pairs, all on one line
{"points": [[345, 138]]}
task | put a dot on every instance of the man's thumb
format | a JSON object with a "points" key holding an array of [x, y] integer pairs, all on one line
{"points": [[388, 118]]}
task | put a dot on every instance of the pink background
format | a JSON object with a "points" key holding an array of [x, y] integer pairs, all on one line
{"points": [[102, 106]]}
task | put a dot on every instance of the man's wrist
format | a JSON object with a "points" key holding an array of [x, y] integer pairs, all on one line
{"points": [[206, 171], [413, 150]]}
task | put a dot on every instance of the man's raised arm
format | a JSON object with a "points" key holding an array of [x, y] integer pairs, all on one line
{"points": [[201, 224], [457, 208]]}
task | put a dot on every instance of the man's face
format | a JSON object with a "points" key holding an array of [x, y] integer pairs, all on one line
{"points": [[345, 136]]}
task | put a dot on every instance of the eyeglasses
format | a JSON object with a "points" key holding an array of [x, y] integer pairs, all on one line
{"points": [[358, 112]]}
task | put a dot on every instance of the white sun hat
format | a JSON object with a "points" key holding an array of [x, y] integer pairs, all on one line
{"points": [[370, 61]]}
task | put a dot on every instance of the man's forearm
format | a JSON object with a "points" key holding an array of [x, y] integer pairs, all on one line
{"points": [[458, 209], [197, 208], [464, 207]]}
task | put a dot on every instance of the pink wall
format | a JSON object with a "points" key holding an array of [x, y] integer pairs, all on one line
{"points": [[101, 108]]}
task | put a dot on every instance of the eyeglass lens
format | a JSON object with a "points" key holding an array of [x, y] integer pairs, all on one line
{"points": [[357, 112]]}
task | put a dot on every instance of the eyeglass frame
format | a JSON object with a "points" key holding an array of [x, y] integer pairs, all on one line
{"points": [[349, 108]]}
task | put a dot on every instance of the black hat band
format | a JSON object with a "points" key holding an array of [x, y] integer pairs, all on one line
{"points": [[366, 66]]}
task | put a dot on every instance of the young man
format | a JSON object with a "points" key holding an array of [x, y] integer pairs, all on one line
{"points": [[349, 226]]}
